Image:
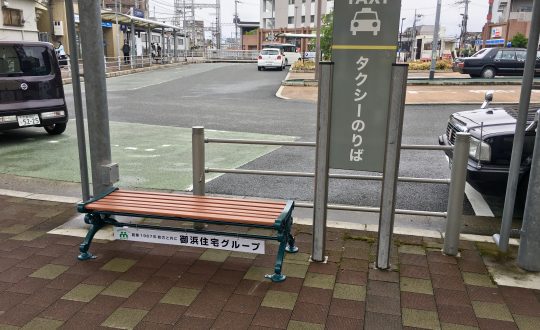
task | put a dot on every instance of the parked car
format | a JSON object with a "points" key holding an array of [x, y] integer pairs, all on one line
{"points": [[492, 136], [491, 62], [31, 91], [271, 58]]}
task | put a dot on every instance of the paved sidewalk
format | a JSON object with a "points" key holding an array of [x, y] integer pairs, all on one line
{"points": [[148, 286]]}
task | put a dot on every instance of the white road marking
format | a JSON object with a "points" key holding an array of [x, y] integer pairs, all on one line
{"points": [[479, 204], [130, 148]]}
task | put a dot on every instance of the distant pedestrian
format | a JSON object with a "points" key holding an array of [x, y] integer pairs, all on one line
{"points": [[61, 54], [126, 50], [158, 50]]}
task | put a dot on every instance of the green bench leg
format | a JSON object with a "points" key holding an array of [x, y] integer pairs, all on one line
{"points": [[97, 223], [286, 245]]}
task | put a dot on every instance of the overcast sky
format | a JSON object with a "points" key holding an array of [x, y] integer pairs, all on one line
{"points": [[248, 10]]}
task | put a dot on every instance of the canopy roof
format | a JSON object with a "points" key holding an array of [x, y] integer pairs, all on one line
{"points": [[137, 21]]}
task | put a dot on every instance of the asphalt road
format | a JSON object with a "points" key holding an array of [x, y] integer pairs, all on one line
{"points": [[238, 98]]}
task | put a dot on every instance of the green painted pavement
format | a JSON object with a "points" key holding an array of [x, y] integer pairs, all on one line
{"points": [[149, 156]]}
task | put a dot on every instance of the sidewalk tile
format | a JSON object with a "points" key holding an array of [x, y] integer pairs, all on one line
{"points": [[297, 258], [291, 284], [487, 324], [15, 229], [237, 264], [478, 280], [294, 270], [28, 235], [297, 325], [242, 255], [321, 281], [315, 295], [143, 325], [158, 284], [343, 323], [6, 263], [350, 292], [230, 320], [62, 310], [120, 265], [15, 274], [413, 260], [102, 277], [383, 275], [463, 315], [279, 299], [8, 327], [418, 301], [42, 324], [103, 305], [330, 268], [165, 314], [492, 311], [201, 307], [439, 257], [414, 272], [152, 261], [450, 326], [83, 292], [272, 317], [480, 293], [243, 304], [215, 255], [448, 270], [473, 267], [143, 300], [192, 281], [121, 288], [354, 264], [194, 323], [49, 271], [256, 273], [29, 285], [124, 318], [382, 321], [451, 297], [44, 297], [347, 308], [420, 318], [383, 305], [252, 288], [412, 249], [384, 289], [66, 281], [180, 296], [352, 277], [447, 282], [416, 285], [524, 307], [20, 314], [310, 313], [527, 322]]}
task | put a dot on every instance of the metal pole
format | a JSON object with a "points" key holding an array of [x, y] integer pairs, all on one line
{"points": [[456, 192], [435, 41], [162, 44], [519, 136], [133, 45], [529, 244], [175, 44], [96, 93], [391, 163], [320, 199], [77, 100], [117, 33], [400, 39], [318, 40], [197, 144]]}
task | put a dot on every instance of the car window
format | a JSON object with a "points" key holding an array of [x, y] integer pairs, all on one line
{"points": [[270, 52], [538, 55], [16, 60], [521, 55], [481, 53], [506, 55]]}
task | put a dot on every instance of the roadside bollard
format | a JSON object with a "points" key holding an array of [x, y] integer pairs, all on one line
{"points": [[197, 145], [456, 193]]}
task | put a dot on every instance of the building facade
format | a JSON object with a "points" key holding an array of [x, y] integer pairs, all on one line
{"points": [[291, 14], [510, 17], [20, 19]]}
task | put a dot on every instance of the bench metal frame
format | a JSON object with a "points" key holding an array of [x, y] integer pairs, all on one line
{"points": [[98, 219]]}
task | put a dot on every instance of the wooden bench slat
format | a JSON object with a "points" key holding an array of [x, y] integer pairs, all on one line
{"points": [[193, 215], [195, 202], [100, 205], [182, 206], [207, 198]]}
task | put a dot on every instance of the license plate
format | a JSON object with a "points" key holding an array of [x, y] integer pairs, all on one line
{"points": [[28, 120]]}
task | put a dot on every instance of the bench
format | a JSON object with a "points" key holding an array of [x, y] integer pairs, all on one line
{"points": [[230, 212]]}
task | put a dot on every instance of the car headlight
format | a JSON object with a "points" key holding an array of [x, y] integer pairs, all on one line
{"points": [[479, 150]]}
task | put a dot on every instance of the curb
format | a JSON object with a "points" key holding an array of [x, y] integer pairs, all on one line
{"points": [[421, 82]]}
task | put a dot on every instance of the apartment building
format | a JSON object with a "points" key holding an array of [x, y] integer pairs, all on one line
{"points": [[20, 19], [509, 18], [291, 14]]}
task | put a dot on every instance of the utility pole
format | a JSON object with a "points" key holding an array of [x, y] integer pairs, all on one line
{"points": [[236, 20], [400, 38], [435, 42], [413, 41], [507, 32], [318, 40], [465, 15]]}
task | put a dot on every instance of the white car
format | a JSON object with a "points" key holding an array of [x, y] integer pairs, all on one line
{"points": [[366, 20], [271, 58]]}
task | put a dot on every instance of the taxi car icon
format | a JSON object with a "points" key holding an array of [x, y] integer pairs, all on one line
{"points": [[366, 20]]}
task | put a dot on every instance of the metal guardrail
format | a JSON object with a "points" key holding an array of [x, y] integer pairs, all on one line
{"points": [[454, 198]]}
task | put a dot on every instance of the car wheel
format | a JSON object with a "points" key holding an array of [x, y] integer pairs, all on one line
{"points": [[259, 68], [280, 68], [56, 129], [286, 62], [488, 73]]}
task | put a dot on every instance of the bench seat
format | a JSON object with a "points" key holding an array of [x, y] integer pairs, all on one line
{"points": [[182, 207]]}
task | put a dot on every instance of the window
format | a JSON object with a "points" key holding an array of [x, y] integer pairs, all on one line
{"points": [[521, 55], [506, 55], [290, 20], [427, 46], [291, 2], [312, 18], [24, 60], [12, 17], [303, 19]]}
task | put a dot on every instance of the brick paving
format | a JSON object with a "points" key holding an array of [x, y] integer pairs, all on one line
{"points": [[148, 286]]}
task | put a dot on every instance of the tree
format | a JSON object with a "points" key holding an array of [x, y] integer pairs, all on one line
{"points": [[519, 41], [327, 29]]}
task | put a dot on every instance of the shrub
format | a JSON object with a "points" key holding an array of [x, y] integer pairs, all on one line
{"points": [[303, 65], [423, 66]]}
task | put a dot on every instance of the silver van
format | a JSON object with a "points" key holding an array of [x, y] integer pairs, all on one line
{"points": [[31, 91]]}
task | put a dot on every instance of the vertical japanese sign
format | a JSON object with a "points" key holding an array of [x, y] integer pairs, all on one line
{"points": [[364, 48]]}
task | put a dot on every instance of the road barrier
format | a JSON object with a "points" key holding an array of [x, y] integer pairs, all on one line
{"points": [[456, 182]]}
